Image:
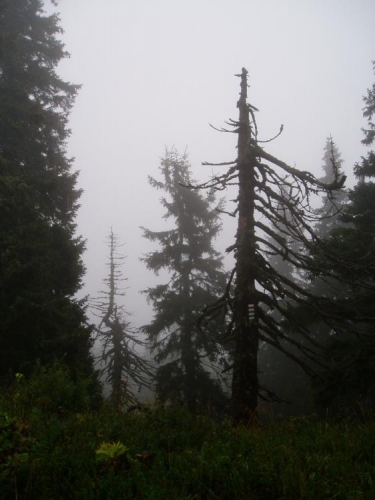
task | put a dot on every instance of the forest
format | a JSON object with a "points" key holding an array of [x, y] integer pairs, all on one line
{"points": [[255, 381]]}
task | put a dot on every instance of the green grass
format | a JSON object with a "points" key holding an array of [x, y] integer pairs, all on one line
{"points": [[71, 452]]}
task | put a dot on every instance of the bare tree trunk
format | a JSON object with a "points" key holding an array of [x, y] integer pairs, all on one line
{"points": [[245, 376], [280, 195]]}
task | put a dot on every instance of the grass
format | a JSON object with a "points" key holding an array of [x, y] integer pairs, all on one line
{"points": [[51, 451]]}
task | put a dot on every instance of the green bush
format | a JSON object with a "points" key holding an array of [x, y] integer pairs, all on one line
{"points": [[51, 389]]}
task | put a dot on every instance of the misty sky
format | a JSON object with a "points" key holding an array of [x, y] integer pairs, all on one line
{"points": [[155, 73]]}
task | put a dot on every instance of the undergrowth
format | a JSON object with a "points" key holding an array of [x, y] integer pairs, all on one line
{"points": [[53, 448]]}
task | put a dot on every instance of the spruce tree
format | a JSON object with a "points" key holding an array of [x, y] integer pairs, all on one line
{"points": [[331, 206], [351, 346], [369, 112], [185, 353], [40, 256]]}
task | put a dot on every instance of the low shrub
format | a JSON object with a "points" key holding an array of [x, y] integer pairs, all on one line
{"points": [[170, 454]]}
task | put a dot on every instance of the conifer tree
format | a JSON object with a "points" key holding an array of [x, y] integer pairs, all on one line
{"points": [[40, 256], [331, 206], [125, 369], [369, 112], [351, 347], [185, 354], [259, 288]]}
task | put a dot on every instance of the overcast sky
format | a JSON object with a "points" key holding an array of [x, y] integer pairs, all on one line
{"points": [[155, 73]]}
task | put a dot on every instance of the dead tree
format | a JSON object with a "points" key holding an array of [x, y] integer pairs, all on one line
{"points": [[268, 221], [125, 369]]}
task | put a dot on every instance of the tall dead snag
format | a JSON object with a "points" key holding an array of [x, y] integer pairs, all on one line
{"points": [[245, 371], [275, 220]]}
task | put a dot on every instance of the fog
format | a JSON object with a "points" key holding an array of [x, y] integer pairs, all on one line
{"points": [[154, 74]]}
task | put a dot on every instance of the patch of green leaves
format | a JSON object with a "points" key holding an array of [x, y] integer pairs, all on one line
{"points": [[171, 454]]}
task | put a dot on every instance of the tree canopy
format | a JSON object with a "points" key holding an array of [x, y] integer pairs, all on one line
{"points": [[350, 351], [186, 354], [40, 256]]}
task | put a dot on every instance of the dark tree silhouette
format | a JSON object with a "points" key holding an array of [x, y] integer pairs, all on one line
{"points": [[273, 198], [369, 112], [277, 372], [186, 355], [331, 206], [125, 369], [351, 350], [40, 255]]}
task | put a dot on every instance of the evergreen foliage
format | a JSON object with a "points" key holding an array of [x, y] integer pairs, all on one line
{"points": [[331, 206], [184, 352], [351, 350], [124, 367], [40, 255], [368, 112]]}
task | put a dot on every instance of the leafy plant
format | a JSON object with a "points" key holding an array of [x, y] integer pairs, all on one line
{"points": [[110, 451], [173, 454]]}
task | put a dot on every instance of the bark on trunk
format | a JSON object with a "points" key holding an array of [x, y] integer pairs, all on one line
{"points": [[245, 372]]}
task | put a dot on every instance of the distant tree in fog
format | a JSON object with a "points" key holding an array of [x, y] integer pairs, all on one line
{"points": [[125, 369], [186, 355], [350, 349], [331, 206]]}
